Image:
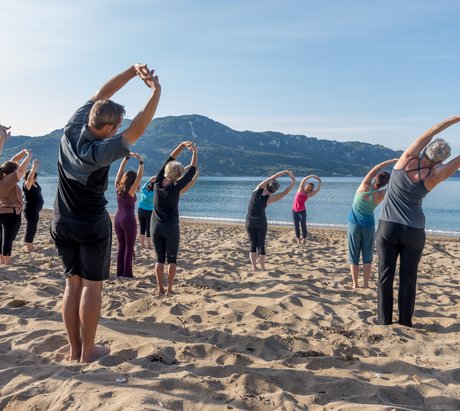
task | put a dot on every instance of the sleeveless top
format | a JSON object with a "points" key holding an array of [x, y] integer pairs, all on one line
{"points": [[126, 203], [403, 201], [362, 210], [299, 201], [256, 217]]}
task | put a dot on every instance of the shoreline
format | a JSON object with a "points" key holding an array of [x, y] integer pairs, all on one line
{"points": [[435, 234]]}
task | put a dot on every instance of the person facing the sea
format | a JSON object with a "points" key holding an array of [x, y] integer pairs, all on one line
{"points": [[361, 222], [169, 183], [299, 211], [256, 219], [401, 229], [126, 185], [11, 203], [81, 227], [33, 204], [144, 212]]}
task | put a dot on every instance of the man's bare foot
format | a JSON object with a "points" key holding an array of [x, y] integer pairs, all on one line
{"points": [[355, 286], [99, 352], [160, 291], [365, 285]]}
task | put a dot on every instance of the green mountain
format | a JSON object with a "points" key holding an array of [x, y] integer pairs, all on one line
{"points": [[223, 151]]}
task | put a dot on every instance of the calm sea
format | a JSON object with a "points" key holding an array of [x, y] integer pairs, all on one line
{"points": [[226, 199]]}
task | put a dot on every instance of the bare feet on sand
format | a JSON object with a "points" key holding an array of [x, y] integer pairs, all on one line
{"points": [[99, 352]]}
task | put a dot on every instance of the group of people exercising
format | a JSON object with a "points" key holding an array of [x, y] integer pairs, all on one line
{"points": [[82, 230]]}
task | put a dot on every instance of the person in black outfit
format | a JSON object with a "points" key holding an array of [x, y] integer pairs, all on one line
{"points": [[256, 220], [169, 183], [33, 204]]}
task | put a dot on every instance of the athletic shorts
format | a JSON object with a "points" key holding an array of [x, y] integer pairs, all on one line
{"points": [[84, 247]]}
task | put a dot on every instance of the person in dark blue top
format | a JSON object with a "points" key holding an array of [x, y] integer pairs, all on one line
{"points": [[33, 204], [169, 183], [81, 228]]}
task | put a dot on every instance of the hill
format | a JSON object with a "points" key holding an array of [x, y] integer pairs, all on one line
{"points": [[227, 152]]}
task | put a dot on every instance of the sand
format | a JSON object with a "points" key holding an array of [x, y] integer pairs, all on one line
{"points": [[294, 337]]}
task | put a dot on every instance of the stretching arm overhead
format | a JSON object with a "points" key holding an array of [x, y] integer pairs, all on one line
{"points": [[279, 196], [418, 144], [31, 177], [121, 170], [139, 174], [4, 135], [264, 183], [313, 192], [364, 186]]}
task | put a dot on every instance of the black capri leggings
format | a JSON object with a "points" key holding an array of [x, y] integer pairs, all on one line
{"points": [[32, 218], [393, 240], [166, 241], [144, 217], [9, 227], [257, 239]]}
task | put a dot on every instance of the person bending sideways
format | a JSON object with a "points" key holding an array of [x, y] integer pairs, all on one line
{"points": [[401, 229], [361, 222], [256, 219], [169, 183], [81, 228], [299, 211]]}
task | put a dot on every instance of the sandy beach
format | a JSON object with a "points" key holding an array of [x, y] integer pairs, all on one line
{"points": [[294, 337]]}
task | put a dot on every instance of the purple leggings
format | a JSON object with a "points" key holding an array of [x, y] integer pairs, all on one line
{"points": [[126, 232]]}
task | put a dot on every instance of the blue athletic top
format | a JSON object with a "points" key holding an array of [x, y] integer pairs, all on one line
{"points": [[146, 198], [362, 211]]}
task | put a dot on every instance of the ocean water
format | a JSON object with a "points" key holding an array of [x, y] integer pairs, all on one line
{"points": [[226, 199]]}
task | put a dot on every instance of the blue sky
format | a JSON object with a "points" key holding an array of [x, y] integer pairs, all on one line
{"points": [[374, 71]]}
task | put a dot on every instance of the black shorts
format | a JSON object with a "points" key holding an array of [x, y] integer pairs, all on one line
{"points": [[84, 247]]}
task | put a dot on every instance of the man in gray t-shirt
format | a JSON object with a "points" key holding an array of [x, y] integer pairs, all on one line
{"points": [[81, 228]]}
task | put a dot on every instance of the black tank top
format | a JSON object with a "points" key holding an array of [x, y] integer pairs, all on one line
{"points": [[256, 217]]}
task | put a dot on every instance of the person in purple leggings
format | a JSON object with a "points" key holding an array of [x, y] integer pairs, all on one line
{"points": [[126, 185]]}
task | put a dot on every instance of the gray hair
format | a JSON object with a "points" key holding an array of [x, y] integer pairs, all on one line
{"points": [[174, 170], [437, 151]]}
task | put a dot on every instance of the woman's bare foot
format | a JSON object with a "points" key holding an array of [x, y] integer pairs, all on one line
{"points": [[160, 291], [99, 352], [355, 286], [170, 292], [29, 247]]}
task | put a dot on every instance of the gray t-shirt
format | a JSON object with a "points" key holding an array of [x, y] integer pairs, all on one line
{"points": [[83, 168]]}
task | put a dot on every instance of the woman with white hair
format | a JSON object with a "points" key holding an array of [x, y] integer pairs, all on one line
{"points": [[401, 229], [169, 183]]}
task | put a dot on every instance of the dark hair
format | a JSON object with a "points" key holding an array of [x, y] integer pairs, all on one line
{"points": [[150, 186], [8, 167], [309, 184], [272, 186], [382, 179], [26, 175], [126, 182]]}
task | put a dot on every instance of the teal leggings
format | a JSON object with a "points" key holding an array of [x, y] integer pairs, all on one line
{"points": [[360, 241]]}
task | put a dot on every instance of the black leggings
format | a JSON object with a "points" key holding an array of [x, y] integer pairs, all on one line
{"points": [[166, 241], [300, 219], [144, 217], [393, 240], [257, 239], [9, 227], [32, 218]]}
